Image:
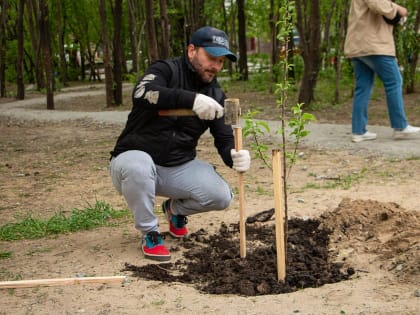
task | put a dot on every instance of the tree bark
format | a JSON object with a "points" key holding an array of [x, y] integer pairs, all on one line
{"points": [[326, 45], [117, 53], [340, 49], [45, 39], [3, 23], [151, 32], [19, 62], [226, 29], [107, 54], [33, 17], [233, 34], [132, 31], [309, 26], [60, 31], [164, 21], [243, 60], [275, 54], [415, 54]]}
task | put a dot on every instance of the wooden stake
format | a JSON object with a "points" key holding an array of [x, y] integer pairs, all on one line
{"points": [[279, 216], [232, 117], [59, 282], [242, 226]]}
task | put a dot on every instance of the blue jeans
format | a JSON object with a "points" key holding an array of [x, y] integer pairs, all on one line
{"points": [[386, 68]]}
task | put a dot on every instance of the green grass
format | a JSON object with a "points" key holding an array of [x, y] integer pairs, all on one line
{"points": [[93, 216], [4, 255], [343, 182]]}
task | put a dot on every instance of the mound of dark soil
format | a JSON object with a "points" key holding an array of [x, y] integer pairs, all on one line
{"points": [[212, 263]]}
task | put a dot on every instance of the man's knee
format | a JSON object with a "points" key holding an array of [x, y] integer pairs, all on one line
{"points": [[132, 167], [223, 201]]}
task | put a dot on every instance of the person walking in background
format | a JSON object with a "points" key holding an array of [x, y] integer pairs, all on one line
{"points": [[155, 155], [370, 46]]}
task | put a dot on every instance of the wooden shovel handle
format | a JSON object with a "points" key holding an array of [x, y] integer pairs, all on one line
{"points": [[176, 112]]}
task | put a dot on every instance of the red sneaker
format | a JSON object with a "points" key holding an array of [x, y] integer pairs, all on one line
{"points": [[153, 248], [177, 223]]}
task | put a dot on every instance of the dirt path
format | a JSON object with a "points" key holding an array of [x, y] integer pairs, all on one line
{"points": [[325, 136]]}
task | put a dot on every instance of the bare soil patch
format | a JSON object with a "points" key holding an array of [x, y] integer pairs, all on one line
{"points": [[353, 242]]}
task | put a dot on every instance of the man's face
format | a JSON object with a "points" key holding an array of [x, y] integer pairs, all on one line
{"points": [[206, 65]]}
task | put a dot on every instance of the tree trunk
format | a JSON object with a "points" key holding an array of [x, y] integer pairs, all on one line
{"points": [[193, 18], [243, 60], [19, 62], [340, 49], [107, 54], [326, 45], [226, 29], [132, 31], [45, 39], [60, 26], [309, 27], [117, 54], [33, 17], [83, 61], [233, 34], [415, 55], [275, 54], [151, 32], [164, 21], [3, 24]]}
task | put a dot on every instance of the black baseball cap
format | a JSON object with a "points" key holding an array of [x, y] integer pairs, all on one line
{"points": [[214, 41]]}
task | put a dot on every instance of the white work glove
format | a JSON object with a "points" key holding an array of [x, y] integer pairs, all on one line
{"points": [[241, 160], [207, 108]]}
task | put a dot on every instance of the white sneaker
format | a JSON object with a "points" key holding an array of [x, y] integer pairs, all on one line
{"points": [[406, 132], [366, 136]]}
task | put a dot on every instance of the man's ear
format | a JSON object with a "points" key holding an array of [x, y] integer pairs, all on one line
{"points": [[191, 50]]}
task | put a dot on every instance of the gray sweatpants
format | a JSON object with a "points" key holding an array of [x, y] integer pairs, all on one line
{"points": [[193, 187]]}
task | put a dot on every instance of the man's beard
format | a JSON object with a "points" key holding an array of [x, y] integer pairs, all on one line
{"points": [[205, 76]]}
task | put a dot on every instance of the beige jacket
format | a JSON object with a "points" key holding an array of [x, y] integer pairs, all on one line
{"points": [[367, 32]]}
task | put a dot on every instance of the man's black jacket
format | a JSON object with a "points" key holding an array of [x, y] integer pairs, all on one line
{"points": [[172, 140]]}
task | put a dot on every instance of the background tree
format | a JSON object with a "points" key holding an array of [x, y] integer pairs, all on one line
{"points": [[151, 31], [415, 51], [132, 33], [143, 31], [407, 39], [61, 18], [19, 60], [192, 16], [3, 25], [308, 24], [164, 22], [117, 53], [343, 11], [85, 26], [36, 55], [243, 60], [275, 43], [47, 56], [225, 28], [328, 14], [107, 53]]}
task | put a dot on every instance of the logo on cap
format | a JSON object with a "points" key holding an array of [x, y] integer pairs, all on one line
{"points": [[219, 40]]}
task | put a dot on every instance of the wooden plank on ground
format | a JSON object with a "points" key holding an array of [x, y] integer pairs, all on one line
{"points": [[59, 282]]}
